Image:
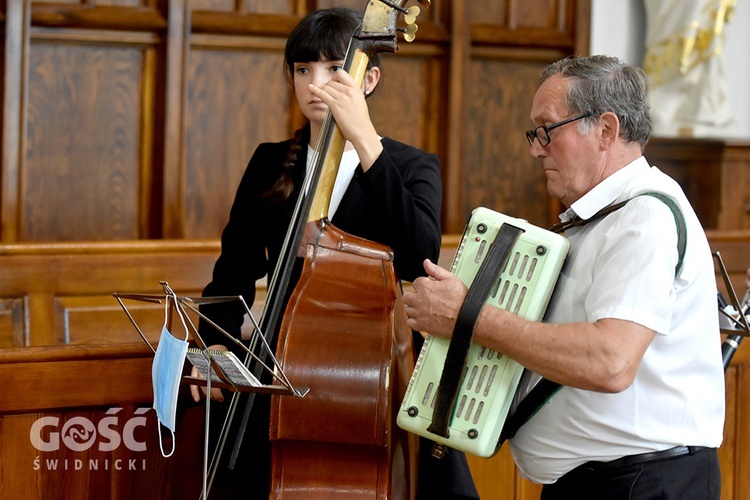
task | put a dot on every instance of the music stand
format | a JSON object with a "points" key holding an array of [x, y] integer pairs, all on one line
{"points": [[226, 370], [736, 327]]}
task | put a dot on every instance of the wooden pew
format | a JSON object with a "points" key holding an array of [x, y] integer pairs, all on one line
{"points": [[70, 356], [68, 351], [61, 294]]}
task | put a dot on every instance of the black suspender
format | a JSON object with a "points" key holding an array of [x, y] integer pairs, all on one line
{"points": [[545, 389]]}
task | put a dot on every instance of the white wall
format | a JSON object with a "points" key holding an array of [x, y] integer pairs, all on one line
{"points": [[618, 29]]}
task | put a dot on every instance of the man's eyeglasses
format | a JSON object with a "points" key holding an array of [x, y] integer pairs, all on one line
{"points": [[541, 133]]}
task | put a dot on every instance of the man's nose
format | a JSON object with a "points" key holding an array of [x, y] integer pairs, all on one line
{"points": [[536, 150]]}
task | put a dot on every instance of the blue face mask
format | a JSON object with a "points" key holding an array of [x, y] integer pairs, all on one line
{"points": [[166, 373]]}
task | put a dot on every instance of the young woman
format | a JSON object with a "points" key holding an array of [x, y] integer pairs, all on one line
{"points": [[385, 191]]}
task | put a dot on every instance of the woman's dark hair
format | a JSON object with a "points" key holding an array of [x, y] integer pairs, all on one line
{"points": [[322, 34]]}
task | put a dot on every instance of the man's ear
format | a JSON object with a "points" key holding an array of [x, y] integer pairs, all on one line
{"points": [[609, 129]]}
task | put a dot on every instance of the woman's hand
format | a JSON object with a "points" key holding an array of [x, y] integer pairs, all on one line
{"points": [[199, 391], [346, 100]]}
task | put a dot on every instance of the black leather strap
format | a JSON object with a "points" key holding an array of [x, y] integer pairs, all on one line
{"points": [[545, 389], [463, 331], [528, 406]]}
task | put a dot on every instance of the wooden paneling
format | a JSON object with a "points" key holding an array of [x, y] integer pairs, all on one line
{"points": [[82, 171], [130, 119], [499, 49], [125, 15], [246, 6], [541, 23], [405, 104], [61, 294], [714, 174], [234, 101], [499, 172], [15, 45], [77, 362], [109, 450]]}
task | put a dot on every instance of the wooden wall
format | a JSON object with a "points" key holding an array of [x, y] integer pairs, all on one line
{"points": [[134, 119], [715, 175]]}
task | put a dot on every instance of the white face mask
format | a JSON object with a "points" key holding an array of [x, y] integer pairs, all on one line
{"points": [[166, 373]]}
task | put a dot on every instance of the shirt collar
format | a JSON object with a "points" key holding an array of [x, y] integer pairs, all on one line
{"points": [[607, 191]]}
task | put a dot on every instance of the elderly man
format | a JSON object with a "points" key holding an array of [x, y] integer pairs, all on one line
{"points": [[631, 331]]}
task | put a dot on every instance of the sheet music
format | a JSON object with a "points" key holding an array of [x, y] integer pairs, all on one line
{"points": [[233, 368]]}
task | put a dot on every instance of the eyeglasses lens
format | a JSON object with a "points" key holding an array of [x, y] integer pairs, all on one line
{"points": [[540, 134]]}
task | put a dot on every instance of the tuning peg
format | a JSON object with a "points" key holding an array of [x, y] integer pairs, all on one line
{"points": [[409, 32], [426, 2], [411, 14]]}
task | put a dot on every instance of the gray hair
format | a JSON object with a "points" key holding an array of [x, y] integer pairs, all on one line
{"points": [[603, 83]]}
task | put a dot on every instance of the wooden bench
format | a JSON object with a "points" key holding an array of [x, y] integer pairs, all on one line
{"points": [[61, 294], [67, 350], [70, 353]]}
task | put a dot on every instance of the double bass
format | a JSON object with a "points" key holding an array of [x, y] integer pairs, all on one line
{"points": [[342, 332]]}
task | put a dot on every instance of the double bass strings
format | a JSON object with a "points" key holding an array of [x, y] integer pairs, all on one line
{"points": [[274, 299]]}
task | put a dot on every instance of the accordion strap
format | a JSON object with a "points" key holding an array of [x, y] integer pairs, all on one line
{"points": [[545, 389], [455, 358], [528, 406]]}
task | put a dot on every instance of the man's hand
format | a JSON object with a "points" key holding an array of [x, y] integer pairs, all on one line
{"points": [[435, 301]]}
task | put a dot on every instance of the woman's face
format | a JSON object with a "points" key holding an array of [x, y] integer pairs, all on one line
{"points": [[317, 73]]}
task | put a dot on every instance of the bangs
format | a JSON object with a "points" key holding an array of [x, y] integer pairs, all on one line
{"points": [[324, 35]]}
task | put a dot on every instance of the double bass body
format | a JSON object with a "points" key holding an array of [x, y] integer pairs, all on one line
{"points": [[347, 340]]}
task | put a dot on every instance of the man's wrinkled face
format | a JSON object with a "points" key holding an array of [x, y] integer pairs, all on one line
{"points": [[570, 159]]}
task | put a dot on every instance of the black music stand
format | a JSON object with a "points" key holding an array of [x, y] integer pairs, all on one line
{"points": [[735, 325]]}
